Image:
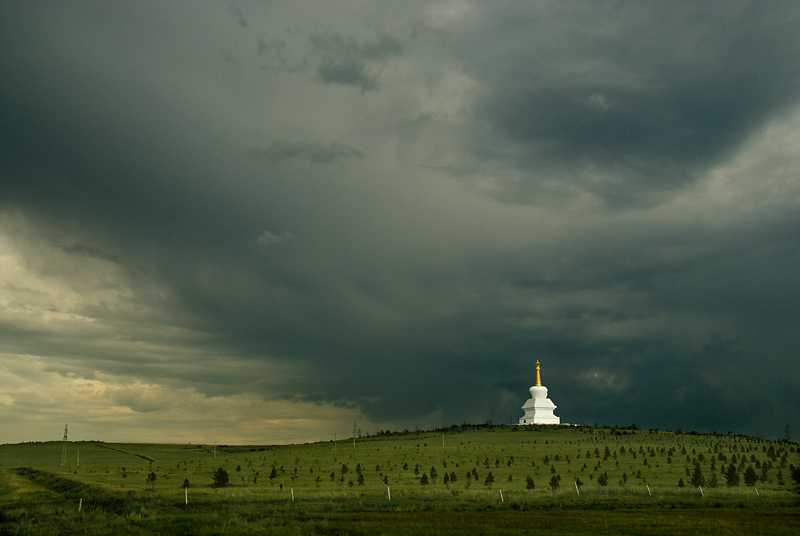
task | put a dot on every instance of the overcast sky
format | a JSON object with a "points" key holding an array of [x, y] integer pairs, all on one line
{"points": [[262, 221]]}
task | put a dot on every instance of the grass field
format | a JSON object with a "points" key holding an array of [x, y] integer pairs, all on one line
{"points": [[480, 479]]}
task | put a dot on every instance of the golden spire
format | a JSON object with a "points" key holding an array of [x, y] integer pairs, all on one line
{"points": [[538, 375]]}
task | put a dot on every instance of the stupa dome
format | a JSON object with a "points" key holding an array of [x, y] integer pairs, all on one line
{"points": [[538, 391]]}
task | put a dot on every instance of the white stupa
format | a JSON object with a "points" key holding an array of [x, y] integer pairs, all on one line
{"points": [[539, 409]]}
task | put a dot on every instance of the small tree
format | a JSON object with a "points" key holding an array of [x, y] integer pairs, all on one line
{"points": [[750, 476], [151, 479], [681, 483], [697, 479], [489, 480], [434, 474], [603, 479], [529, 483], [360, 479], [555, 482], [220, 478], [185, 482], [423, 479], [732, 476], [794, 473]]}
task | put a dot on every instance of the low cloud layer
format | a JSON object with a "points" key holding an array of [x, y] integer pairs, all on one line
{"points": [[286, 220]]}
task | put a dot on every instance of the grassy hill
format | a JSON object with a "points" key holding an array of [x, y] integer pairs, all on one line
{"points": [[495, 475]]}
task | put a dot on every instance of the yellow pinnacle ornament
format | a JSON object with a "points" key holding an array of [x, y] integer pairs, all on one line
{"points": [[538, 375]]}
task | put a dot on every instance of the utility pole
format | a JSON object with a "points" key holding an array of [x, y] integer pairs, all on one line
{"points": [[64, 448]]}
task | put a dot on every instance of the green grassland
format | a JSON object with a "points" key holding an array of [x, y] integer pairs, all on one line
{"points": [[478, 478]]}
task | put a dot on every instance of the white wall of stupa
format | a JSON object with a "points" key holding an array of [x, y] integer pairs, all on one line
{"points": [[539, 408]]}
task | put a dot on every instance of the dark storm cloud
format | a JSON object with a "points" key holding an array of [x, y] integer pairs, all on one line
{"points": [[314, 152], [91, 251], [237, 14], [354, 62], [628, 103], [186, 213]]}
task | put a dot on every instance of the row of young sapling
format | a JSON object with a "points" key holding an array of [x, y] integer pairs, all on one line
{"points": [[649, 461], [706, 468]]}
